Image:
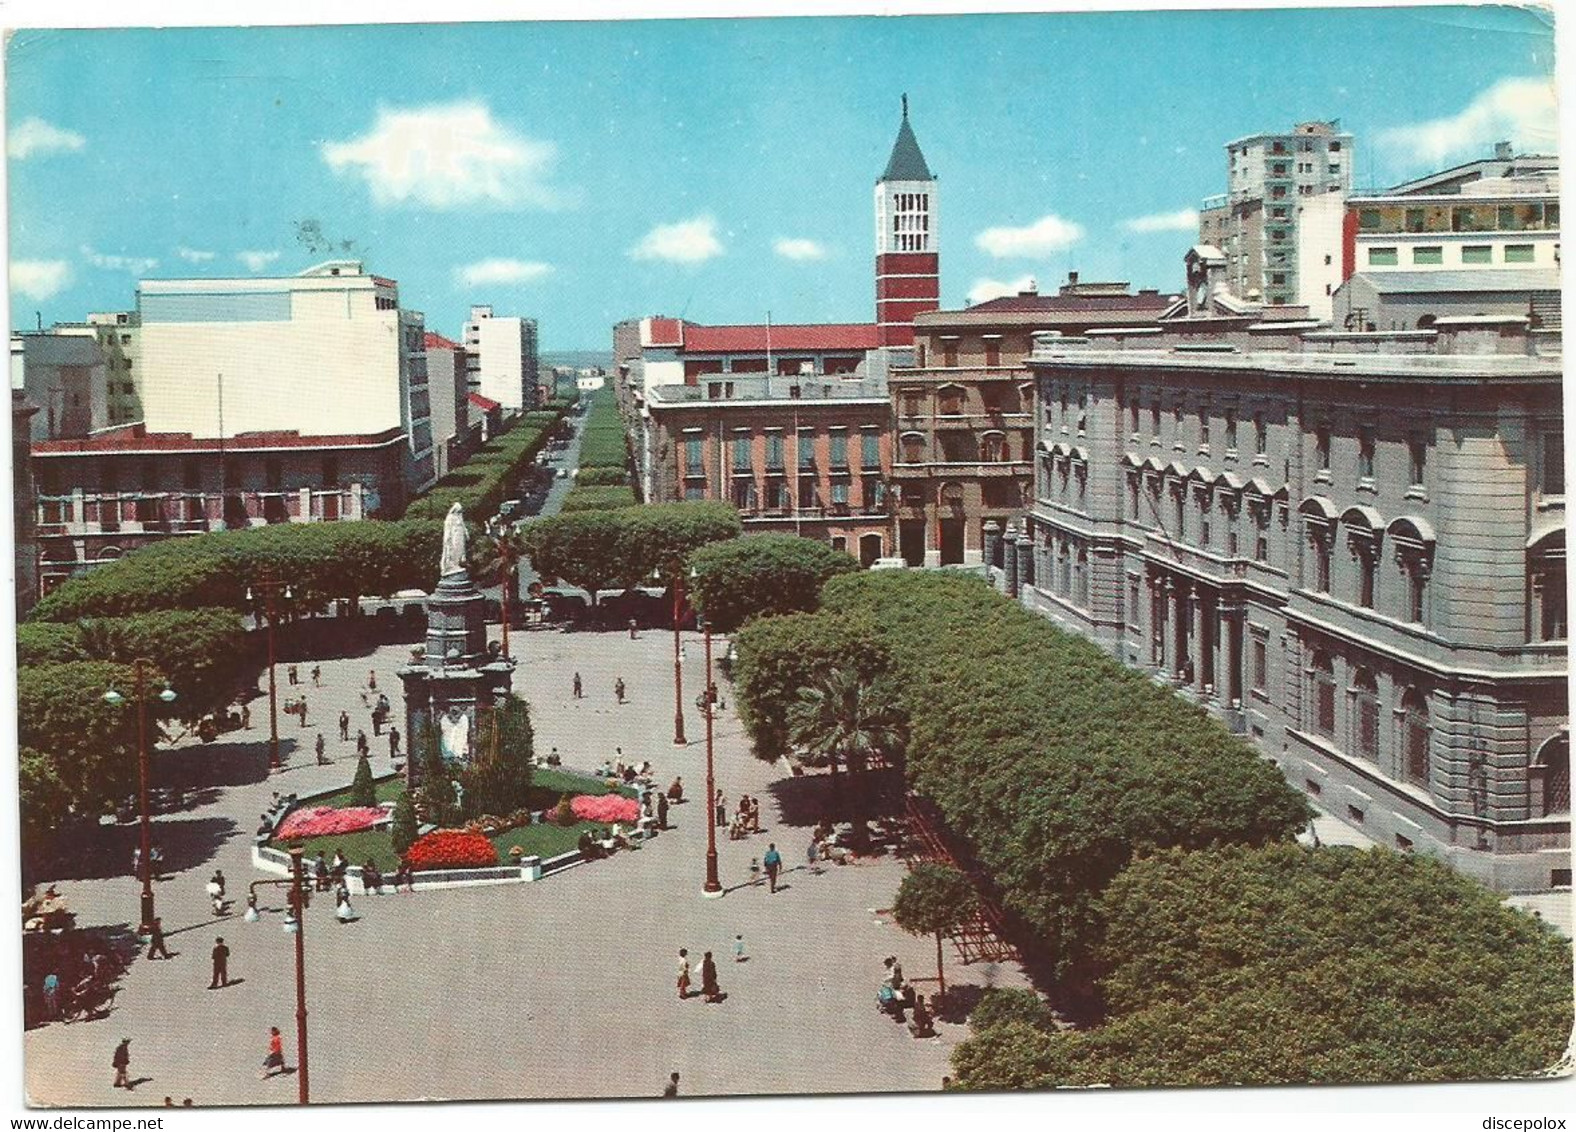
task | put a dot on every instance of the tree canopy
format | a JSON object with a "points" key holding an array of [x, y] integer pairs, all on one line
{"points": [[1277, 965], [626, 547], [779, 656], [498, 782], [484, 481], [933, 899], [1051, 760], [321, 562], [762, 575]]}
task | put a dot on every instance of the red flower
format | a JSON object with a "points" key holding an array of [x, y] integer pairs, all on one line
{"points": [[452, 849]]}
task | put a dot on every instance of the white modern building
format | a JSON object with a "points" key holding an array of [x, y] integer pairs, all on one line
{"points": [[501, 358], [326, 352]]}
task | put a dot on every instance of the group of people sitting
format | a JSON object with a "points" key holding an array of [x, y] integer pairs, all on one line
{"points": [[628, 774], [896, 997], [593, 847]]}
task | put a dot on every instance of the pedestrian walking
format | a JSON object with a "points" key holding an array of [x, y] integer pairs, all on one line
{"points": [[363, 745], [684, 974], [343, 912], [301, 710], [275, 1061], [755, 815], [293, 675], [317, 676], [216, 891], [662, 810], [632, 629], [812, 855], [708, 979], [122, 1064], [372, 680], [221, 965], [344, 727], [774, 864], [722, 808], [322, 747], [320, 873], [246, 716], [393, 742], [404, 874], [579, 689], [156, 948], [51, 995], [671, 1089], [136, 860], [618, 689], [738, 948], [755, 872], [377, 720], [156, 859]]}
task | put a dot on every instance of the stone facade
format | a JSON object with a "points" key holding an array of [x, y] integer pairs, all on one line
{"points": [[962, 414], [1348, 547], [811, 458]]}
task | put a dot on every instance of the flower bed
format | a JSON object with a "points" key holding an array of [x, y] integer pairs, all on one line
{"points": [[452, 849], [605, 808], [323, 821]]}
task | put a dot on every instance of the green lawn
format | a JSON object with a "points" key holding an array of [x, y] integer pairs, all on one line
{"points": [[548, 784]]}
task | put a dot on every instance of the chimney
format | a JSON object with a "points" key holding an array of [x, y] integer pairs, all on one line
{"points": [[1503, 151], [1030, 288], [1072, 279]]}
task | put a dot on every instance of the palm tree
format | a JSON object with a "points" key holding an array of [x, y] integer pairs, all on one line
{"points": [[495, 559], [844, 720]]}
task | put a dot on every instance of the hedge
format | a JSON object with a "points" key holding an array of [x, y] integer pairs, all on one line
{"points": [[601, 477], [1053, 761], [1286, 965], [321, 562], [602, 442], [483, 482], [597, 499]]}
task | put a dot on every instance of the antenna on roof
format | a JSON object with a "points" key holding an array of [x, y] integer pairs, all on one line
{"points": [[905, 105]]}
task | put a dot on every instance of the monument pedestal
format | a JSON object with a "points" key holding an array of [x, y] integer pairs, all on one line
{"points": [[456, 678]]}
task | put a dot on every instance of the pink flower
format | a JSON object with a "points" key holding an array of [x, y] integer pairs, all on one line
{"points": [[605, 808], [322, 821]]}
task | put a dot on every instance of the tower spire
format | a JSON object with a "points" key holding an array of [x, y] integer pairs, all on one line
{"points": [[905, 106]]}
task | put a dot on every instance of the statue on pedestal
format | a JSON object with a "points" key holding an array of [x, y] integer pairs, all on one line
{"points": [[452, 560]]}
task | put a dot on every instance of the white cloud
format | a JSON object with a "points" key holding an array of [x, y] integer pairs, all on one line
{"points": [[36, 136], [795, 248], [136, 265], [192, 255], [986, 289], [257, 261], [500, 271], [687, 241], [1182, 220], [1517, 110], [1046, 235], [447, 156], [40, 278]]}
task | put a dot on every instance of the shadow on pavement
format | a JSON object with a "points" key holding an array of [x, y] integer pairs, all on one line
{"points": [[107, 850], [812, 798]]}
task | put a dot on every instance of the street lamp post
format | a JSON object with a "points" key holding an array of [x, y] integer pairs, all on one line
{"points": [[679, 739], [508, 564], [269, 587], [707, 702], [295, 924], [139, 668]]}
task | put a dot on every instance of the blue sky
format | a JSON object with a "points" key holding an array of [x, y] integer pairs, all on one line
{"points": [[582, 173]]}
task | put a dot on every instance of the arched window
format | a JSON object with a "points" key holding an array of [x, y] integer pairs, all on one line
{"points": [[1365, 715], [1323, 687], [993, 447], [913, 446], [1413, 539], [1551, 774], [1416, 736]]}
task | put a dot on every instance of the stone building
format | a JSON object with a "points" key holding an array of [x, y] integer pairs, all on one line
{"points": [[963, 412], [809, 455], [1350, 547]]}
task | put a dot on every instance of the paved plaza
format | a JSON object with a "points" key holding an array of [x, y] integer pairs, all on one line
{"points": [[562, 988]]}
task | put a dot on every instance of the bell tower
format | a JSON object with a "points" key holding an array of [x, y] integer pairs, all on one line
{"points": [[908, 271]]}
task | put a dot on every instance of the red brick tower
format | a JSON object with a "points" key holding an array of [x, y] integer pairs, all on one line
{"points": [[908, 270]]}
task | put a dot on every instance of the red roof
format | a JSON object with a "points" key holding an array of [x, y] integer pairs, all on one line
{"points": [[853, 337], [486, 404], [435, 341], [135, 438], [667, 332]]}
